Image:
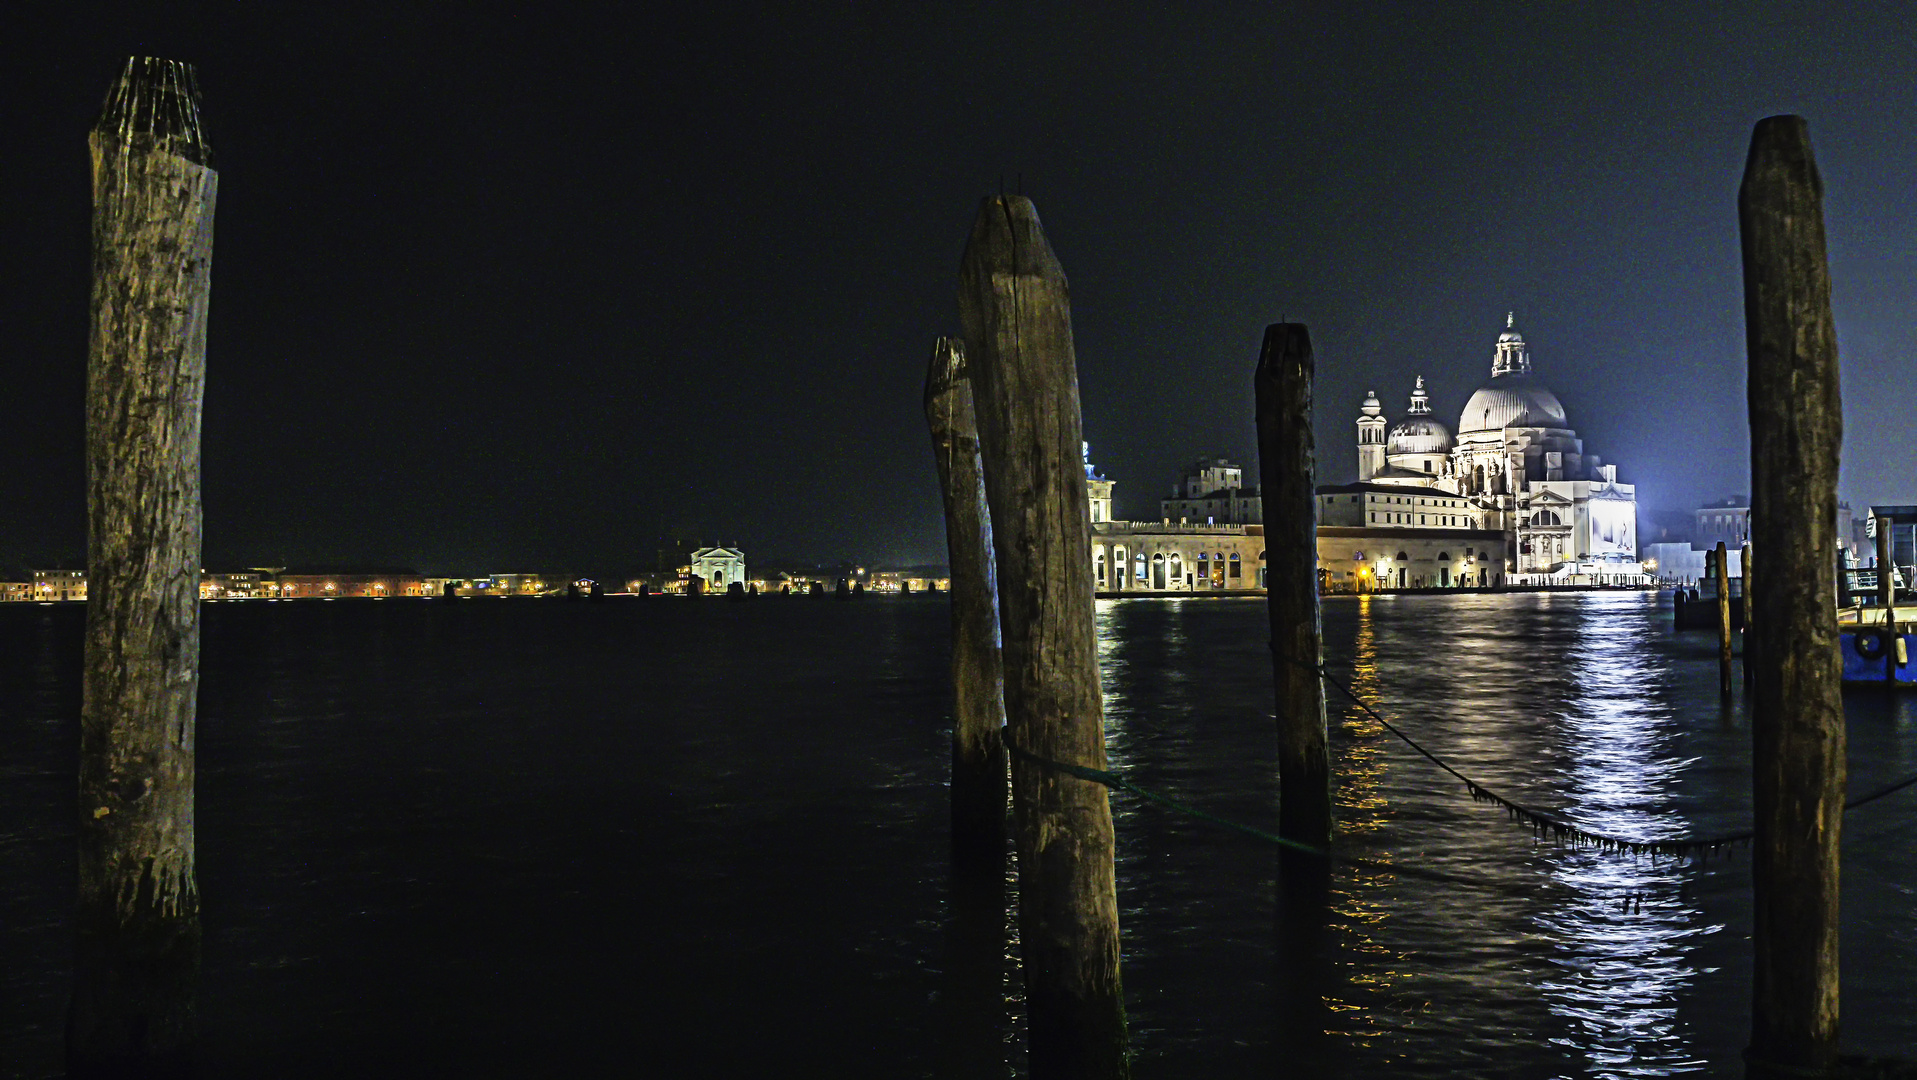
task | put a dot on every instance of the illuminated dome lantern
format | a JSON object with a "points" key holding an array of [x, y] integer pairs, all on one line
{"points": [[1513, 398], [1420, 443]]}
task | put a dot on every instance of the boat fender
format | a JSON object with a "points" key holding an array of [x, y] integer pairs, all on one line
{"points": [[1870, 643], [1903, 652]]}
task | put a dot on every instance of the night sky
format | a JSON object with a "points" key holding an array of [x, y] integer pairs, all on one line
{"points": [[496, 292]]}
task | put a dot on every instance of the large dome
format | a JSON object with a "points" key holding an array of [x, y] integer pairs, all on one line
{"points": [[1515, 400], [1419, 435]]}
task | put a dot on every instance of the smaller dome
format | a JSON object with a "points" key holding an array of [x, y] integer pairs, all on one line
{"points": [[1419, 435]]}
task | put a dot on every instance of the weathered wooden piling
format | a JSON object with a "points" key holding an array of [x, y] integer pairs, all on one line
{"points": [[137, 920], [1797, 709], [1287, 463], [1015, 307], [1750, 637], [978, 698], [1721, 572], [1886, 578]]}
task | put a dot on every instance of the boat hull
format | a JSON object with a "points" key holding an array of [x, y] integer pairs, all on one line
{"points": [[1870, 658]]}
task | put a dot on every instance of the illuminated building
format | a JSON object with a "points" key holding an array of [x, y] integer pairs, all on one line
{"points": [[1181, 557], [243, 585], [718, 567], [1214, 490], [59, 585], [1515, 468], [301, 584]]}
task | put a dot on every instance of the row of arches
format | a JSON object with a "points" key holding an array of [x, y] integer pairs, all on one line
{"points": [[1123, 568]]}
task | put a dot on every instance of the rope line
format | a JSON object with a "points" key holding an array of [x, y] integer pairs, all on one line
{"points": [[1545, 825], [1548, 825], [1114, 780]]}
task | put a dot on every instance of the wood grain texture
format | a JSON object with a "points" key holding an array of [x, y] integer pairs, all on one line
{"points": [[1797, 709], [1886, 581], [1287, 463], [978, 691], [1721, 577], [1750, 613], [137, 921], [1015, 307]]}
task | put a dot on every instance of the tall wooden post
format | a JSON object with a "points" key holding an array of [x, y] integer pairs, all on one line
{"points": [[978, 694], [1015, 307], [1887, 599], [138, 918], [1750, 616], [1886, 578], [1287, 464], [1797, 708], [1722, 572]]}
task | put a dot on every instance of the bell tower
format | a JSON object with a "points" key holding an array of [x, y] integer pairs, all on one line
{"points": [[1371, 437], [1098, 490]]}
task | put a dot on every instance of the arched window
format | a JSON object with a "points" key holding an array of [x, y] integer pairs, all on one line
{"points": [[1356, 556], [1202, 556], [1444, 556], [1545, 517], [1235, 564], [1402, 557]]}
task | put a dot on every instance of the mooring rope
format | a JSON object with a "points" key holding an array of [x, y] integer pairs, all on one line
{"points": [[1545, 824], [1114, 780]]}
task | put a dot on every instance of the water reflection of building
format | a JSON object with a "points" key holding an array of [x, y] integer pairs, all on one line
{"points": [[1622, 969]]}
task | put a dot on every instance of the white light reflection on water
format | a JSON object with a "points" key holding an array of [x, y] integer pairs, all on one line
{"points": [[1621, 972]]}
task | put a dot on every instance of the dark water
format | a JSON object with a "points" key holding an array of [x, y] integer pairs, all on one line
{"points": [[504, 838]]}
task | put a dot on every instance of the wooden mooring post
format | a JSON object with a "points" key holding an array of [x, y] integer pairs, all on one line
{"points": [[137, 920], [1287, 465], [1797, 708], [1887, 599], [1750, 615], [1721, 573], [1015, 308], [978, 696]]}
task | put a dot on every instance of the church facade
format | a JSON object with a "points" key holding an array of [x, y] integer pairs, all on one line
{"points": [[1510, 499], [1515, 467]]}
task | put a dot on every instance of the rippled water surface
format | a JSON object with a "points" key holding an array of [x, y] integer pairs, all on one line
{"points": [[513, 838]]}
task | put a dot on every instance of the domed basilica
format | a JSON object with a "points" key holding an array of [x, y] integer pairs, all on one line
{"points": [[1519, 467]]}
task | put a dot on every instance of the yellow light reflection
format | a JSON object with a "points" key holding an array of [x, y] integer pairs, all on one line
{"points": [[1360, 894]]}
